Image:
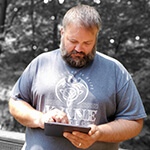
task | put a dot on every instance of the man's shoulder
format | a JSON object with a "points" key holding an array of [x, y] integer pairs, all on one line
{"points": [[46, 57], [48, 54], [106, 58], [108, 61]]}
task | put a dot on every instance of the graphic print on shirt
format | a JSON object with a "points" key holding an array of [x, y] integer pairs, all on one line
{"points": [[72, 91]]}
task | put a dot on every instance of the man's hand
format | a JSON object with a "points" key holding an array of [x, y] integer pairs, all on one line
{"points": [[25, 114], [112, 132], [54, 115], [82, 140]]}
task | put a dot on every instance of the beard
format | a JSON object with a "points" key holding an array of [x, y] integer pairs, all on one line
{"points": [[80, 60]]}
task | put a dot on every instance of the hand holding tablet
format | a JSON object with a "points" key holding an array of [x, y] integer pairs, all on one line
{"points": [[57, 129]]}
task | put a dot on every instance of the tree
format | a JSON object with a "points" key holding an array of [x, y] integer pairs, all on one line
{"points": [[3, 5]]}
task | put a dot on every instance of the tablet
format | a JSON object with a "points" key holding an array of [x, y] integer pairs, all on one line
{"points": [[57, 129]]}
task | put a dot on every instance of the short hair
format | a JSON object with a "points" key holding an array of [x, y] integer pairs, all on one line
{"points": [[82, 15]]}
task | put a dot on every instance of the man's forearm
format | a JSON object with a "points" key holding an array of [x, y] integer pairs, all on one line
{"points": [[119, 130], [25, 114]]}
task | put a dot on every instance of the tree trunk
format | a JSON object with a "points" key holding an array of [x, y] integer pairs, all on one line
{"points": [[3, 6]]}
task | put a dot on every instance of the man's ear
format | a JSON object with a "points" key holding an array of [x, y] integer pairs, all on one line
{"points": [[61, 31]]}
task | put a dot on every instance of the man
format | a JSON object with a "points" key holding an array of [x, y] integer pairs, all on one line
{"points": [[77, 85]]}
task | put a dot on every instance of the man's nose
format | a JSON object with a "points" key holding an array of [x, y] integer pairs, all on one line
{"points": [[79, 48]]}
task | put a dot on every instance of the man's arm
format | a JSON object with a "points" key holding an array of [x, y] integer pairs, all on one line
{"points": [[113, 132], [118, 130], [25, 114]]}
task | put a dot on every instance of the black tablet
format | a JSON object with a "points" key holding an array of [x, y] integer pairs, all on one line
{"points": [[57, 129]]}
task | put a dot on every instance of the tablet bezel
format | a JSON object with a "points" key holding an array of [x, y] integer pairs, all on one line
{"points": [[57, 129]]}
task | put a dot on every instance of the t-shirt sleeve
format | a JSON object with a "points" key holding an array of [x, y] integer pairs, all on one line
{"points": [[22, 88], [129, 103]]}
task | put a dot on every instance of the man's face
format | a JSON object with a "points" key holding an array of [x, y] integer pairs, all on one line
{"points": [[78, 45]]}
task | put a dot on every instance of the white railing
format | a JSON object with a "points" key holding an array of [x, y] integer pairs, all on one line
{"points": [[11, 140], [14, 140]]}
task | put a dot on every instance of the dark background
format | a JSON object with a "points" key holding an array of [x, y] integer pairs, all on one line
{"points": [[30, 27]]}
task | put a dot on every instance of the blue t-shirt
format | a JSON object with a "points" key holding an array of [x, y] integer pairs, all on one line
{"points": [[96, 94]]}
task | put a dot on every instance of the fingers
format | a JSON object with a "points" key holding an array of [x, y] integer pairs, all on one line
{"points": [[59, 116], [82, 140], [95, 131], [55, 115], [78, 139]]}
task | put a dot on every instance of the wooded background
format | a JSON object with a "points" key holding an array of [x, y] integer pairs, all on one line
{"points": [[30, 27]]}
